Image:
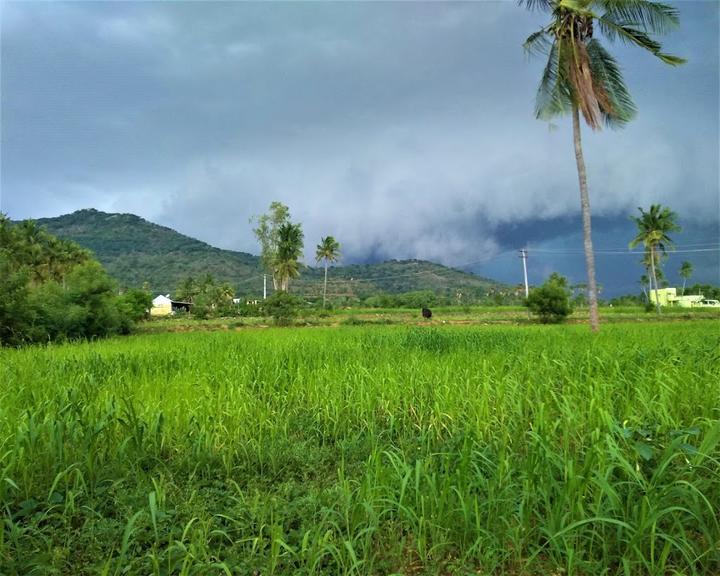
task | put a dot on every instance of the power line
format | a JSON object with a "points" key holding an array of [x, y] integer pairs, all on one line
{"points": [[616, 252], [459, 268], [579, 251]]}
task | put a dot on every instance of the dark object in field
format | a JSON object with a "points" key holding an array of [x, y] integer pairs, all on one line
{"points": [[427, 313]]}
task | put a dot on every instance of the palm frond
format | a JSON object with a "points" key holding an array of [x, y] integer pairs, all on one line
{"points": [[536, 4], [537, 43], [670, 59], [651, 17], [653, 227], [616, 104], [627, 34], [554, 96], [618, 30]]}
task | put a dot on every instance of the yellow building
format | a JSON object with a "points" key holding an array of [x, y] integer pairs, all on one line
{"points": [[161, 306], [669, 297]]}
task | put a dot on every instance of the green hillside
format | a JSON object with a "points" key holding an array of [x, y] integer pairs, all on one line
{"points": [[135, 251]]}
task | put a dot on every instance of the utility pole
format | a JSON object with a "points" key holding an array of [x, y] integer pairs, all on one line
{"points": [[523, 255], [264, 286]]}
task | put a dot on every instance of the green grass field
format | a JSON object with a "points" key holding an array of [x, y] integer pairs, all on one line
{"points": [[465, 315], [519, 450]]}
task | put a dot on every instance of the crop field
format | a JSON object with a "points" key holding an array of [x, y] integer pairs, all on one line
{"points": [[359, 450], [481, 315]]}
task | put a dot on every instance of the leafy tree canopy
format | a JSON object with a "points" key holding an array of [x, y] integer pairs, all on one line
{"points": [[52, 289], [551, 301]]}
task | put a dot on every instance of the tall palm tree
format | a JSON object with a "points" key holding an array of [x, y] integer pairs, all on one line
{"points": [[268, 226], [645, 281], [653, 228], [686, 270], [289, 251], [582, 77], [329, 251]]}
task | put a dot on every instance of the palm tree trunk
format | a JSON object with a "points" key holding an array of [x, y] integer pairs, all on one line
{"points": [[587, 231], [652, 269], [683, 289], [325, 286]]}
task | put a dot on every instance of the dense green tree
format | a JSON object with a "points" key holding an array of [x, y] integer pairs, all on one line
{"points": [[283, 307], [581, 77], [136, 303], [16, 316], [551, 301], [268, 234], [86, 307], [328, 251], [52, 289], [653, 229], [208, 298], [289, 251], [686, 271], [187, 290], [708, 290]]}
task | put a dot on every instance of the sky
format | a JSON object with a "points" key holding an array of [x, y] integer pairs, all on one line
{"points": [[404, 129]]}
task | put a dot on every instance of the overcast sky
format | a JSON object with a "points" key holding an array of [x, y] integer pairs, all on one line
{"points": [[406, 130]]}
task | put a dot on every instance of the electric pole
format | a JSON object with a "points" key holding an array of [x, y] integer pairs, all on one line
{"points": [[523, 255], [264, 286]]}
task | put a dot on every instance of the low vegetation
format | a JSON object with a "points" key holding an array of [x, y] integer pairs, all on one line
{"points": [[365, 450], [52, 289], [551, 301]]}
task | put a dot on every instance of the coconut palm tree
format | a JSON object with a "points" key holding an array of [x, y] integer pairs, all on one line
{"points": [[268, 226], [686, 270], [329, 251], [645, 286], [653, 228], [581, 77], [289, 251]]}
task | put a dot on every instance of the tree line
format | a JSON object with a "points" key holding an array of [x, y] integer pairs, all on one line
{"points": [[52, 289]]}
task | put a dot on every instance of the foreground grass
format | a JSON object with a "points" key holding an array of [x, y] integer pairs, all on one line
{"points": [[365, 450]]}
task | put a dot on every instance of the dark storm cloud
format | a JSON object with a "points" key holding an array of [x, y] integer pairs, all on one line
{"points": [[404, 129]]}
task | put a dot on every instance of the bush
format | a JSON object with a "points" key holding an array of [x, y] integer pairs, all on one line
{"points": [[53, 290], [16, 315], [202, 307], [136, 304], [283, 307], [551, 301], [86, 307]]}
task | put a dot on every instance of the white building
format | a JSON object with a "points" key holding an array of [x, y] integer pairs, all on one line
{"points": [[161, 306]]}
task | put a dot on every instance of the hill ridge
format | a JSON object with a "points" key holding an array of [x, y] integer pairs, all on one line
{"points": [[136, 251]]}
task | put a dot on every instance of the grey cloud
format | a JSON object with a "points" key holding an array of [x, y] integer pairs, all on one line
{"points": [[405, 130]]}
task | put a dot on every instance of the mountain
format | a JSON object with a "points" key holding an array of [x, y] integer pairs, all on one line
{"points": [[135, 251]]}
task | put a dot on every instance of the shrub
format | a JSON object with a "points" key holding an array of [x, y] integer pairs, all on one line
{"points": [[136, 304], [16, 316], [551, 301], [86, 307], [283, 307]]}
